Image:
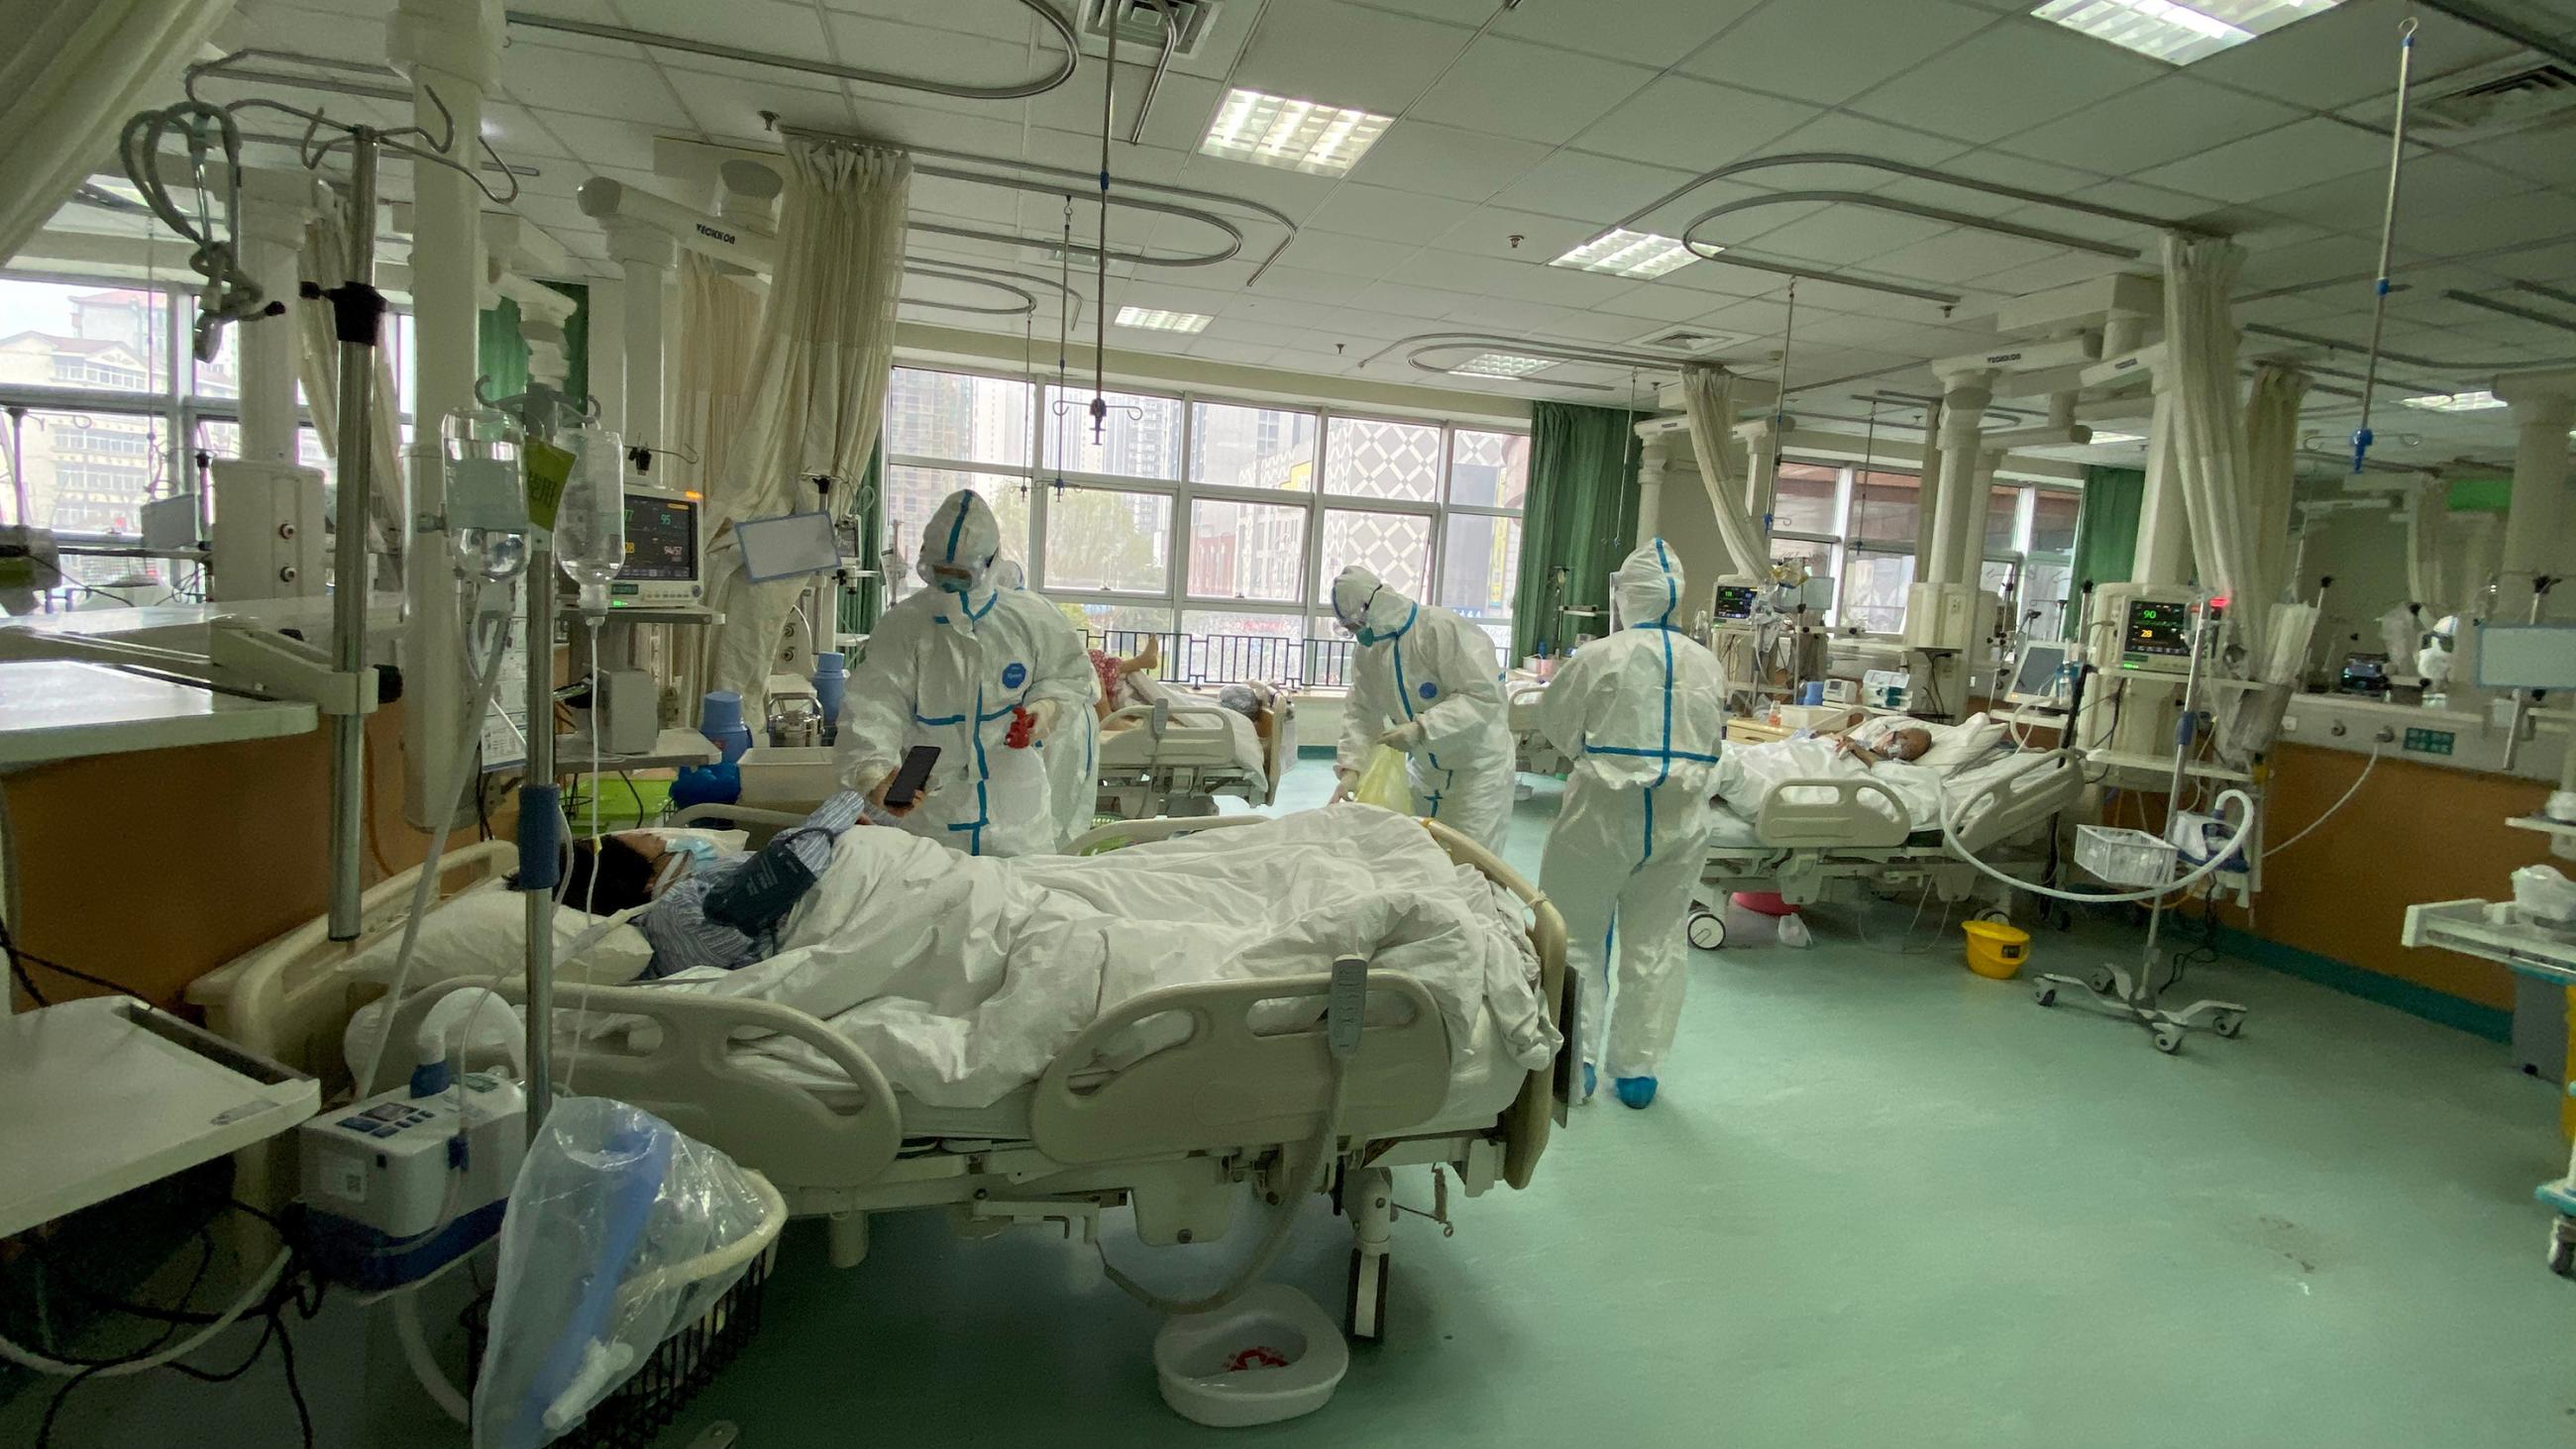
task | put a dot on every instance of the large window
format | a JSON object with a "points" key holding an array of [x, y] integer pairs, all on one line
{"points": [[1219, 524], [1858, 527]]}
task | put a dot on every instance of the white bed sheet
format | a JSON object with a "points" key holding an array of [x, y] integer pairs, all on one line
{"points": [[1926, 791]]}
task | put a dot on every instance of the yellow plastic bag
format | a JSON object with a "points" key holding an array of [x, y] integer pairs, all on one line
{"points": [[1383, 782]]}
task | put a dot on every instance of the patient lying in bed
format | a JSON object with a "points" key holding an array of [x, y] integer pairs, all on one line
{"points": [[1910, 758], [963, 977]]}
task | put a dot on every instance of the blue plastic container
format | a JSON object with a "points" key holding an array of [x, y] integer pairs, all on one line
{"points": [[720, 720]]}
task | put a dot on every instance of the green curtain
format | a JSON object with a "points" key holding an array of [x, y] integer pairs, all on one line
{"points": [[501, 351], [2106, 532], [861, 606], [1581, 516]]}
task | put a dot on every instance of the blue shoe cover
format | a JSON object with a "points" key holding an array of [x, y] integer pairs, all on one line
{"points": [[1638, 1092], [1591, 1080]]}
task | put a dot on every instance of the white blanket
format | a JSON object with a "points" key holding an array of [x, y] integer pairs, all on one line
{"points": [[1243, 740], [1748, 775], [961, 978]]}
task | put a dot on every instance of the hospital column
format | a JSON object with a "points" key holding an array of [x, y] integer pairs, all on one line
{"points": [[1654, 459], [1760, 438], [275, 206], [1964, 399], [453, 50], [644, 255], [2536, 523]]}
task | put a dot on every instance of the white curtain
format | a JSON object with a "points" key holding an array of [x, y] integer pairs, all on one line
{"points": [[819, 372], [2272, 471], [2428, 517], [324, 263], [71, 73], [711, 391], [2210, 458], [1708, 397]]}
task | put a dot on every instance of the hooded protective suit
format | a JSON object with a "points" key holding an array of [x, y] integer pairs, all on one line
{"points": [[1640, 714], [1426, 681], [947, 667], [1072, 753]]}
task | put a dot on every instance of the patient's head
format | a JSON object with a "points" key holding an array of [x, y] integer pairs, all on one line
{"points": [[1906, 742]]}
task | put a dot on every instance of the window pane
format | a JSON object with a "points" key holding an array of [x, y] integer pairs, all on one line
{"points": [[1885, 507], [1222, 648], [1804, 500], [1240, 447], [2052, 521], [1141, 439], [104, 338], [1817, 557], [1480, 566], [1120, 629], [2003, 521], [950, 415], [1247, 550], [913, 494], [2045, 587], [1874, 592], [1366, 458], [1491, 469], [88, 472], [1394, 546], [1110, 540]]}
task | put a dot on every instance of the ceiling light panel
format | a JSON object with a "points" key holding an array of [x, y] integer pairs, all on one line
{"points": [[1155, 319], [1500, 364], [1625, 253], [2175, 32], [1269, 130], [2457, 402]]}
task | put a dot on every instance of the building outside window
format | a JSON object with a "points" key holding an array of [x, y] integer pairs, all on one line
{"points": [[1215, 522]]}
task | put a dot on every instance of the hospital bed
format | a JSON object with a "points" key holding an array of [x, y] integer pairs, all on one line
{"points": [[1828, 838], [1534, 754], [1173, 1134], [1179, 747]]}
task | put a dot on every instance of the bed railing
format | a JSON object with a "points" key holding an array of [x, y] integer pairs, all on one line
{"points": [[1847, 819], [2021, 800]]}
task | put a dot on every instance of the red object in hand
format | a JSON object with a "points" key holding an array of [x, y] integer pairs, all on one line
{"points": [[1023, 725]]}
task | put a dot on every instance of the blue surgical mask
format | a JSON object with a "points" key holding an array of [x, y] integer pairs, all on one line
{"points": [[1365, 635]]}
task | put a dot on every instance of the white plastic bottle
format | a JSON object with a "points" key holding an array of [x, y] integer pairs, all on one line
{"points": [[590, 523]]}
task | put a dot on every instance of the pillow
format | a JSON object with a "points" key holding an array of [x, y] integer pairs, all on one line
{"points": [[1963, 743], [484, 933]]}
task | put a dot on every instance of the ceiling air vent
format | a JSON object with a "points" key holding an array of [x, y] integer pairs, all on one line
{"points": [[1688, 341], [1140, 25], [2493, 99]]}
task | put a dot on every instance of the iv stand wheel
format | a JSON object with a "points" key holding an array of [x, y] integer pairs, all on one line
{"points": [[1365, 1310], [1707, 930], [2045, 995], [2102, 981], [2169, 1039], [2227, 1023]]}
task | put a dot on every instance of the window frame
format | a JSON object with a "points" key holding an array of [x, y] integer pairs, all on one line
{"points": [[1844, 545]]}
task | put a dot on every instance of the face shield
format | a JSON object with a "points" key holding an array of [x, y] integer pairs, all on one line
{"points": [[960, 544]]}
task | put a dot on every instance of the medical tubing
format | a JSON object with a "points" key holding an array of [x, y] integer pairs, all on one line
{"points": [[249, 1299], [732, 1256], [590, 897], [2216, 862], [2349, 791], [1283, 1220], [462, 760], [433, 1380]]}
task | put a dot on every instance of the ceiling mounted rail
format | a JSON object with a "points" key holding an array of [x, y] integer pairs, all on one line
{"points": [[1919, 173], [1162, 63], [1012, 91], [997, 278], [2507, 309], [1906, 208], [2429, 364], [1944, 300], [1553, 351]]}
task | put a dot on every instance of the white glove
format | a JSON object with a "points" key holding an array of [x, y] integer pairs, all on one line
{"points": [[1044, 716], [1406, 737], [1342, 791]]}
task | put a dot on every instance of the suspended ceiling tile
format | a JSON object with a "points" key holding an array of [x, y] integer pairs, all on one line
{"points": [[1344, 55], [1179, 117], [1508, 235], [596, 85], [600, 142], [510, 128], [1438, 267], [875, 115], [1841, 131], [1218, 349], [1361, 324], [1694, 124], [1298, 284], [2164, 120], [992, 19], [772, 25], [2063, 270], [1744, 228], [2339, 57], [1415, 155], [1387, 213], [1512, 89], [2004, 81], [1832, 50], [1586, 187], [1649, 32], [723, 106], [1839, 234], [2539, 153], [1429, 303], [1962, 256], [1562, 286], [1229, 329], [1526, 319], [1366, 257], [1291, 192], [1653, 302], [2259, 166], [943, 55], [1605, 326]]}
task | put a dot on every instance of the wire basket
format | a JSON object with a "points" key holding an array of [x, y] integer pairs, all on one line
{"points": [[643, 1406], [2123, 856]]}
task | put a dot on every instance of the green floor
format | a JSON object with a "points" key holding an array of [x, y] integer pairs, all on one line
{"points": [[1881, 1202]]}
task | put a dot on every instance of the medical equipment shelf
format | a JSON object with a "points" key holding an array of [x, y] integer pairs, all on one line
{"points": [[64, 711], [106, 1094], [2473, 928], [671, 749], [2163, 764], [2543, 824]]}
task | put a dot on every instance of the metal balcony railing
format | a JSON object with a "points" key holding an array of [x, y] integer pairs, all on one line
{"points": [[1204, 659]]}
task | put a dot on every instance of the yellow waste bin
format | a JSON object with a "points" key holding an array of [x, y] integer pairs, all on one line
{"points": [[1996, 950]]}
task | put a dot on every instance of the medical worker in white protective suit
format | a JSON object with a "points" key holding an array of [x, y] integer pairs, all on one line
{"points": [[958, 665], [1640, 714], [1425, 681], [1073, 751]]}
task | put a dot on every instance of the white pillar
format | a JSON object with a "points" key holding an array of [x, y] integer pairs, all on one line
{"points": [[2164, 529], [1928, 501], [453, 49], [645, 256], [275, 206], [1968, 546], [2535, 526], [1964, 399], [608, 352], [1654, 459]]}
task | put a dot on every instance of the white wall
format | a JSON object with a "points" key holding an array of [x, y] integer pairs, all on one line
{"points": [[2365, 554]]}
